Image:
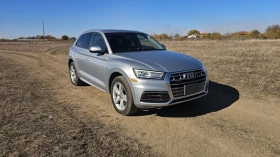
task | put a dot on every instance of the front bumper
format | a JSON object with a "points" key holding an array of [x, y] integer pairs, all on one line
{"points": [[144, 85]]}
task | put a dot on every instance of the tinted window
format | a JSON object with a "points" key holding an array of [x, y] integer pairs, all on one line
{"points": [[128, 42], [97, 40], [78, 43], [84, 41]]}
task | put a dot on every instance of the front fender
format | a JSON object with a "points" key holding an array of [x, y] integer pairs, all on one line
{"points": [[124, 71]]}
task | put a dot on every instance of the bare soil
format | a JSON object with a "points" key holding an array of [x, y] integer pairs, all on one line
{"points": [[42, 113], [34, 123]]}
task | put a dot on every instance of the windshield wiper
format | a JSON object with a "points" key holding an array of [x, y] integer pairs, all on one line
{"points": [[151, 49]]}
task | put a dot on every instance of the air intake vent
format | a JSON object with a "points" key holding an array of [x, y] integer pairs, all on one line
{"points": [[155, 97]]}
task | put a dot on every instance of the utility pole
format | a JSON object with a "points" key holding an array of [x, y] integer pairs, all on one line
{"points": [[43, 29], [167, 31]]}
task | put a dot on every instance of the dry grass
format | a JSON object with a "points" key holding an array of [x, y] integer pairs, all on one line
{"points": [[47, 46], [33, 123], [252, 65]]}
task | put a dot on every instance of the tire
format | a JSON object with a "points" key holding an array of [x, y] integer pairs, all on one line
{"points": [[73, 75], [121, 92]]}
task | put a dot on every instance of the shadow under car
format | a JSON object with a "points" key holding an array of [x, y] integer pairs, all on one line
{"points": [[220, 96]]}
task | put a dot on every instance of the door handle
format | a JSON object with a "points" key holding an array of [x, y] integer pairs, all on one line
{"points": [[74, 54], [87, 58]]}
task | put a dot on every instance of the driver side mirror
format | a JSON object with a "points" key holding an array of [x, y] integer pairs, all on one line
{"points": [[96, 49], [163, 46]]}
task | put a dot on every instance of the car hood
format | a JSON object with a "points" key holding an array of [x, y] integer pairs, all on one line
{"points": [[159, 60]]}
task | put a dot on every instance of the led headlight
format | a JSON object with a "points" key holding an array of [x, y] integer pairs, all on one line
{"points": [[148, 74]]}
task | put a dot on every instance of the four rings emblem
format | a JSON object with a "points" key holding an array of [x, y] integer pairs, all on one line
{"points": [[188, 76]]}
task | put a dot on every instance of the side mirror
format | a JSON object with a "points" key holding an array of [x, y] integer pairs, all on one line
{"points": [[96, 49], [163, 46]]}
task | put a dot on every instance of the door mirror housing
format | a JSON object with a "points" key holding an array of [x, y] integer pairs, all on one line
{"points": [[163, 46], [96, 49]]}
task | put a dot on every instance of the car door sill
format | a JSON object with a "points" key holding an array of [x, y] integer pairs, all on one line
{"points": [[92, 84]]}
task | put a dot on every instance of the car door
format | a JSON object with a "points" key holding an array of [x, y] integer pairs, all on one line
{"points": [[96, 62], [81, 55]]}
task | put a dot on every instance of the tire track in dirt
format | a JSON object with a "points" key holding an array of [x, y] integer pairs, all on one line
{"points": [[32, 123], [244, 127]]}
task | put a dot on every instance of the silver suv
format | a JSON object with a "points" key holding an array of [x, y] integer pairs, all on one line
{"points": [[135, 69]]}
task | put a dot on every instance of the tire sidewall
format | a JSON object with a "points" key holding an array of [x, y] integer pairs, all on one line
{"points": [[130, 103], [72, 64]]}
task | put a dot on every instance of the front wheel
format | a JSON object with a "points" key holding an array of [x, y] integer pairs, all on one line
{"points": [[121, 96], [73, 75]]}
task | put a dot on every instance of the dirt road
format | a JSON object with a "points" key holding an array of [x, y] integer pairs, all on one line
{"points": [[227, 122]]}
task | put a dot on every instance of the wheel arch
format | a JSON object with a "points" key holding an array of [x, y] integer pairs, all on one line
{"points": [[118, 72], [70, 60]]}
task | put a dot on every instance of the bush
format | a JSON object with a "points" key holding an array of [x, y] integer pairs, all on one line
{"points": [[273, 32], [216, 36], [255, 33], [72, 38], [64, 37], [194, 31], [163, 36], [50, 37]]}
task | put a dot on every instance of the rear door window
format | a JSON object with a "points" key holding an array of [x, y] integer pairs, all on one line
{"points": [[84, 41]]}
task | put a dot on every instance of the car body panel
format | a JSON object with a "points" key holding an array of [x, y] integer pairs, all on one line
{"points": [[163, 60]]}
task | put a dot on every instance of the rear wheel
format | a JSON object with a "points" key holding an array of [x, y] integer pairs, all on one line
{"points": [[73, 75], [121, 96]]}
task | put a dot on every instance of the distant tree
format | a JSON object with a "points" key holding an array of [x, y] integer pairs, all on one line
{"points": [[177, 36], [273, 28], [163, 36], [273, 32], [216, 35], [50, 37], [254, 33], [64, 37], [205, 35], [194, 31], [38, 37], [72, 38], [156, 36]]}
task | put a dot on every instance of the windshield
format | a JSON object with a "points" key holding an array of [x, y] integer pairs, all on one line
{"points": [[128, 42]]}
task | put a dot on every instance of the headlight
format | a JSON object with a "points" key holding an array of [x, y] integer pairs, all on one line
{"points": [[148, 74]]}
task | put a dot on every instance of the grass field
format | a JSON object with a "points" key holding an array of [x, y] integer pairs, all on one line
{"points": [[252, 64], [42, 114]]}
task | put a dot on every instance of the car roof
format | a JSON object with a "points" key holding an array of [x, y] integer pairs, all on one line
{"points": [[111, 31]]}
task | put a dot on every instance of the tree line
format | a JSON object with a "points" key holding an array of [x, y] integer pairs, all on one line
{"points": [[49, 37], [271, 32]]}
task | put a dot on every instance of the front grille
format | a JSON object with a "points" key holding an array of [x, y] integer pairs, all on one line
{"points": [[187, 83], [155, 97]]}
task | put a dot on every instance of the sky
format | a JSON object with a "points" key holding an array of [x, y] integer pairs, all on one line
{"points": [[72, 17]]}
